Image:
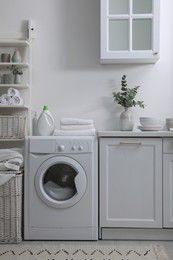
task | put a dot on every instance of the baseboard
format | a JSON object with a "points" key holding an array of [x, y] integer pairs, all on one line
{"points": [[136, 234]]}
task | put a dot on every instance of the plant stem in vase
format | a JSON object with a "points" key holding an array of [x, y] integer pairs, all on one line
{"points": [[126, 98], [17, 79], [126, 120]]}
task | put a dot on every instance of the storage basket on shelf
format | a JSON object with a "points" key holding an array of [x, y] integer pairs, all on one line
{"points": [[11, 209], [12, 127]]}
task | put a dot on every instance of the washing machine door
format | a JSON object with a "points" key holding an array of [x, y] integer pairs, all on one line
{"points": [[60, 182]]}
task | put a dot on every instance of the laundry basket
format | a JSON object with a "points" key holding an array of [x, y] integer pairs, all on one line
{"points": [[12, 127], [11, 209]]}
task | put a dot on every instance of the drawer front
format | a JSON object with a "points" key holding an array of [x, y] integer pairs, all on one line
{"points": [[167, 145]]}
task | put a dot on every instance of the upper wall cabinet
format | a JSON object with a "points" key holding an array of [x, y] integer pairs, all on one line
{"points": [[129, 31]]}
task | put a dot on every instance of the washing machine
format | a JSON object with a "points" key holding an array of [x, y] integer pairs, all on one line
{"points": [[61, 188]]}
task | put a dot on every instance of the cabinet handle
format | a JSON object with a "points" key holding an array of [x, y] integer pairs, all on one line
{"points": [[130, 143]]}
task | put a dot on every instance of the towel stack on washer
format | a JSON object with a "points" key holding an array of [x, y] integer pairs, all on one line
{"points": [[76, 126]]}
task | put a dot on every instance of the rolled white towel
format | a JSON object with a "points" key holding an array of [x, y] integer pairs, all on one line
{"points": [[5, 99], [13, 92], [76, 121], [16, 100], [76, 127], [74, 132]]}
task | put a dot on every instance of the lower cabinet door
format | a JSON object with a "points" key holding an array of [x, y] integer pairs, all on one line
{"points": [[168, 190], [131, 182]]}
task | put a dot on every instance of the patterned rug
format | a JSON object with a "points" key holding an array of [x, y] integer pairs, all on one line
{"points": [[99, 250]]}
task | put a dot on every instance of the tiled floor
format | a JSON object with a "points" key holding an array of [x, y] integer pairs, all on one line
{"points": [[169, 247], [167, 244]]}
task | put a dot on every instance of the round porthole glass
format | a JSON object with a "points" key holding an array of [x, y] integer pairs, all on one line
{"points": [[60, 182]]}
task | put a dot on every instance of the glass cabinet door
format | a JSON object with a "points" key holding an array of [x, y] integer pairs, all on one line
{"points": [[118, 6], [142, 24], [128, 28], [124, 18], [118, 34], [142, 6], [142, 34], [118, 25]]}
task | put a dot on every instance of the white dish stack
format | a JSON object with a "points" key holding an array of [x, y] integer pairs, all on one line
{"points": [[150, 124], [169, 124]]}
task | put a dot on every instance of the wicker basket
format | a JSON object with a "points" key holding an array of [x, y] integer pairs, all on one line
{"points": [[12, 127], [11, 210]]}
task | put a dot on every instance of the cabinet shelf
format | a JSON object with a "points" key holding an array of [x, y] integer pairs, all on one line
{"points": [[19, 64], [12, 140], [21, 86], [16, 106], [13, 43]]}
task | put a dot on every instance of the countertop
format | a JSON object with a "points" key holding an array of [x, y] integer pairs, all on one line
{"points": [[135, 133]]}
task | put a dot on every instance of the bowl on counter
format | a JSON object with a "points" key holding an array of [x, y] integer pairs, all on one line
{"points": [[150, 121], [150, 124], [169, 123]]}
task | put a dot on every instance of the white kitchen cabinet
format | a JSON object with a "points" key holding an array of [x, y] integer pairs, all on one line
{"points": [[168, 183], [130, 182], [129, 31], [9, 42]]}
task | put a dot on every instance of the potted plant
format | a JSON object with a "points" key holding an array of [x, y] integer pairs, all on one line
{"points": [[126, 98]]}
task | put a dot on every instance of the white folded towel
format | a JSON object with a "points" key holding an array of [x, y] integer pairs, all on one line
{"points": [[12, 164], [74, 132], [76, 121], [13, 92], [10, 160], [4, 177], [76, 127]]}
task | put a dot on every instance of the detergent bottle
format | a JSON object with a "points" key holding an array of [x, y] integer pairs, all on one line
{"points": [[45, 123], [34, 124]]}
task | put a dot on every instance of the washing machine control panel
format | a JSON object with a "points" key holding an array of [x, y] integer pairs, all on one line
{"points": [[61, 148], [74, 146]]}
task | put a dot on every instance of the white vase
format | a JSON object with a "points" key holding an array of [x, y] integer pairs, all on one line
{"points": [[16, 56], [126, 120], [17, 79]]}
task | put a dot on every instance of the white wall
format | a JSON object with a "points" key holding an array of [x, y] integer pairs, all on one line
{"points": [[67, 74]]}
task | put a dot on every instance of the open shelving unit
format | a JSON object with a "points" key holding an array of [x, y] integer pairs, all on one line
{"points": [[23, 43]]}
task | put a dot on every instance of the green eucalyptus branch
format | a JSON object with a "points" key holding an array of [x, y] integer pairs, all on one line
{"points": [[15, 70], [126, 97]]}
